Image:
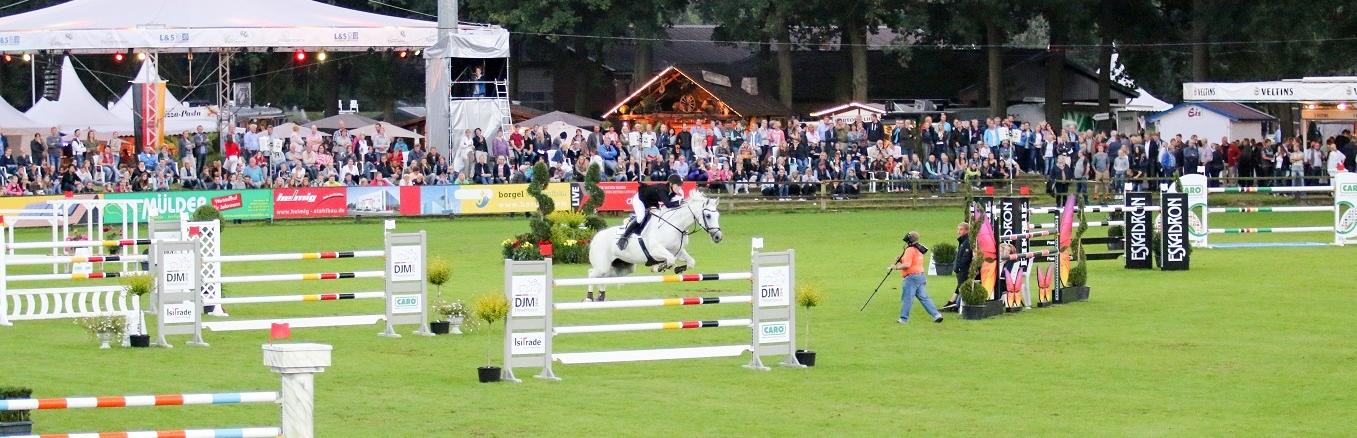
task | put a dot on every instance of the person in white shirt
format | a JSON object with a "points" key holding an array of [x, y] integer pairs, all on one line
{"points": [[1336, 159], [460, 158]]}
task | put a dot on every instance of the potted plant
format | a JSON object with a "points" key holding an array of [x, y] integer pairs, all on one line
{"points": [[807, 296], [15, 423], [439, 310], [944, 258], [974, 301], [1118, 236], [490, 307], [139, 286], [439, 272], [103, 327]]}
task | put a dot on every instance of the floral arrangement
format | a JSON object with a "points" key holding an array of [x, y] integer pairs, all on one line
{"points": [[75, 237], [445, 310], [568, 231], [113, 234], [110, 324]]}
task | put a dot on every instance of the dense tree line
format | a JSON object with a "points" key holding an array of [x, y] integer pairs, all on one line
{"points": [[1161, 43]]}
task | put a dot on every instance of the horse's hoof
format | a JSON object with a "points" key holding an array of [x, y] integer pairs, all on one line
{"points": [[680, 269]]}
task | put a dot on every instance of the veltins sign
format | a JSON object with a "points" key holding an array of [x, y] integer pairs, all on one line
{"points": [[177, 274], [182, 313], [406, 263], [1173, 240], [528, 296], [401, 304], [1138, 232], [773, 287], [774, 332], [527, 343]]}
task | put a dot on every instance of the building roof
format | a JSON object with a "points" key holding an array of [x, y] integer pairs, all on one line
{"points": [[1236, 112], [875, 108], [726, 89], [561, 116]]}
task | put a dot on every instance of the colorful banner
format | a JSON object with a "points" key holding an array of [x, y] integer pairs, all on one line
{"points": [[617, 195], [242, 204], [374, 200], [308, 202], [506, 198], [148, 115]]}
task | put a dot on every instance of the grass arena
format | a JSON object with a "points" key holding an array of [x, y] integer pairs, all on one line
{"points": [[1249, 342]]}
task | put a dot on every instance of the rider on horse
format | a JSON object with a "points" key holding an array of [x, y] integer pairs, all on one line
{"points": [[647, 198]]}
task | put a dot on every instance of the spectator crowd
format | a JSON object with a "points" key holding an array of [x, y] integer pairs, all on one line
{"points": [[774, 157]]}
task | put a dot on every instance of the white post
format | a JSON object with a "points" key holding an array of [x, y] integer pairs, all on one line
{"points": [[298, 365]]}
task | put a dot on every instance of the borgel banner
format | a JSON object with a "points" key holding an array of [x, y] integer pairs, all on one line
{"points": [[1138, 232], [1173, 239]]}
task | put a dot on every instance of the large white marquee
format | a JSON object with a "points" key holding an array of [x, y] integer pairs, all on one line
{"points": [[170, 26]]}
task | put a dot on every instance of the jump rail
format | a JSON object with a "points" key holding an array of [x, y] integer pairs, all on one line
{"points": [[296, 364], [529, 328]]}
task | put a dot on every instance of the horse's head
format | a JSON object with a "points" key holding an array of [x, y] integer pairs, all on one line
{"points": [[704, 209]]}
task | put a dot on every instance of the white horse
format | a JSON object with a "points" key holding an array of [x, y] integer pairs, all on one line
{"points": [[665, 237]]}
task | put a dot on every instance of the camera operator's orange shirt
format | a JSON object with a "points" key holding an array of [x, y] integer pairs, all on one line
{"points": [[916, 262]]}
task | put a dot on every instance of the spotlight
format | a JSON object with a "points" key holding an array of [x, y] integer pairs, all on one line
{"points": [[322, 56], [300, 56], [1343, 106], [28, 57], [403, 53], [117, 57], [9, 57], [141, 56], [417, 52], [1310, 106]]}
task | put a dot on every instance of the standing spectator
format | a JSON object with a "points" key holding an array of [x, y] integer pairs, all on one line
{"points": [[249, 142], [1101, 173], [54, 149]]}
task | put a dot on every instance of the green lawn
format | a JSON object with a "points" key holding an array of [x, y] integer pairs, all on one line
{"points": [[1250, 342]]}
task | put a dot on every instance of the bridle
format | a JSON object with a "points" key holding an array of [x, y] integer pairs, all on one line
{"points": [[700, 219]]}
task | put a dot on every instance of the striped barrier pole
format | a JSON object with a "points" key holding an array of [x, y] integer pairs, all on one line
{"points": [[1271, 230], [607, 328], [1030, 255], [1270, 209], [297, 277], [682, 278], [78, 244], [251, 432], [43, 260], [295, 298], [131, 401], [1269, 189], [624, 304], [87, 276], [1076, 224], [1012, 237], [295, 256], [1095, 209]]}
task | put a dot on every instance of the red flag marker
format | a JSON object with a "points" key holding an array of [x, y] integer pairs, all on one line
{"points": [[1024, 191], [279, 331], [545, 248]]}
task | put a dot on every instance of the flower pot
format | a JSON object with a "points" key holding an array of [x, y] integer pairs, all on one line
{"points": [[456, 322], [943, 269], [973, 312], [994, 308], [488, 374], [140, 341], [1070, 294], [17, 428], [1116, 245], [806, 357], [103, 340], [439, 327]]}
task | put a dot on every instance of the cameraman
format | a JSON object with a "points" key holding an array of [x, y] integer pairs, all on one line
{"points": [[914, 283]]}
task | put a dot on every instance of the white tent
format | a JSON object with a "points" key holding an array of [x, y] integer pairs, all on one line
{"points": [[103, 26], [13, 122], [1147, 103], [392, 131], [75, 108]]}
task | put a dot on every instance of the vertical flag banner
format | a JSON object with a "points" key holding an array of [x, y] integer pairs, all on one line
{"points": [[148, 108]]}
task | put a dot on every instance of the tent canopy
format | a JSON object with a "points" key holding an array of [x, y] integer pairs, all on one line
{"points": [[558, 116], [1147, 102], [13, 122], [350, 121], [285, 130], [392, 131], [105, 26], [75, 108]]}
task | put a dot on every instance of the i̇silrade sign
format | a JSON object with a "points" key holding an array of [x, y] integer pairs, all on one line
{"points": [[508, 198], [239, 204]]}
